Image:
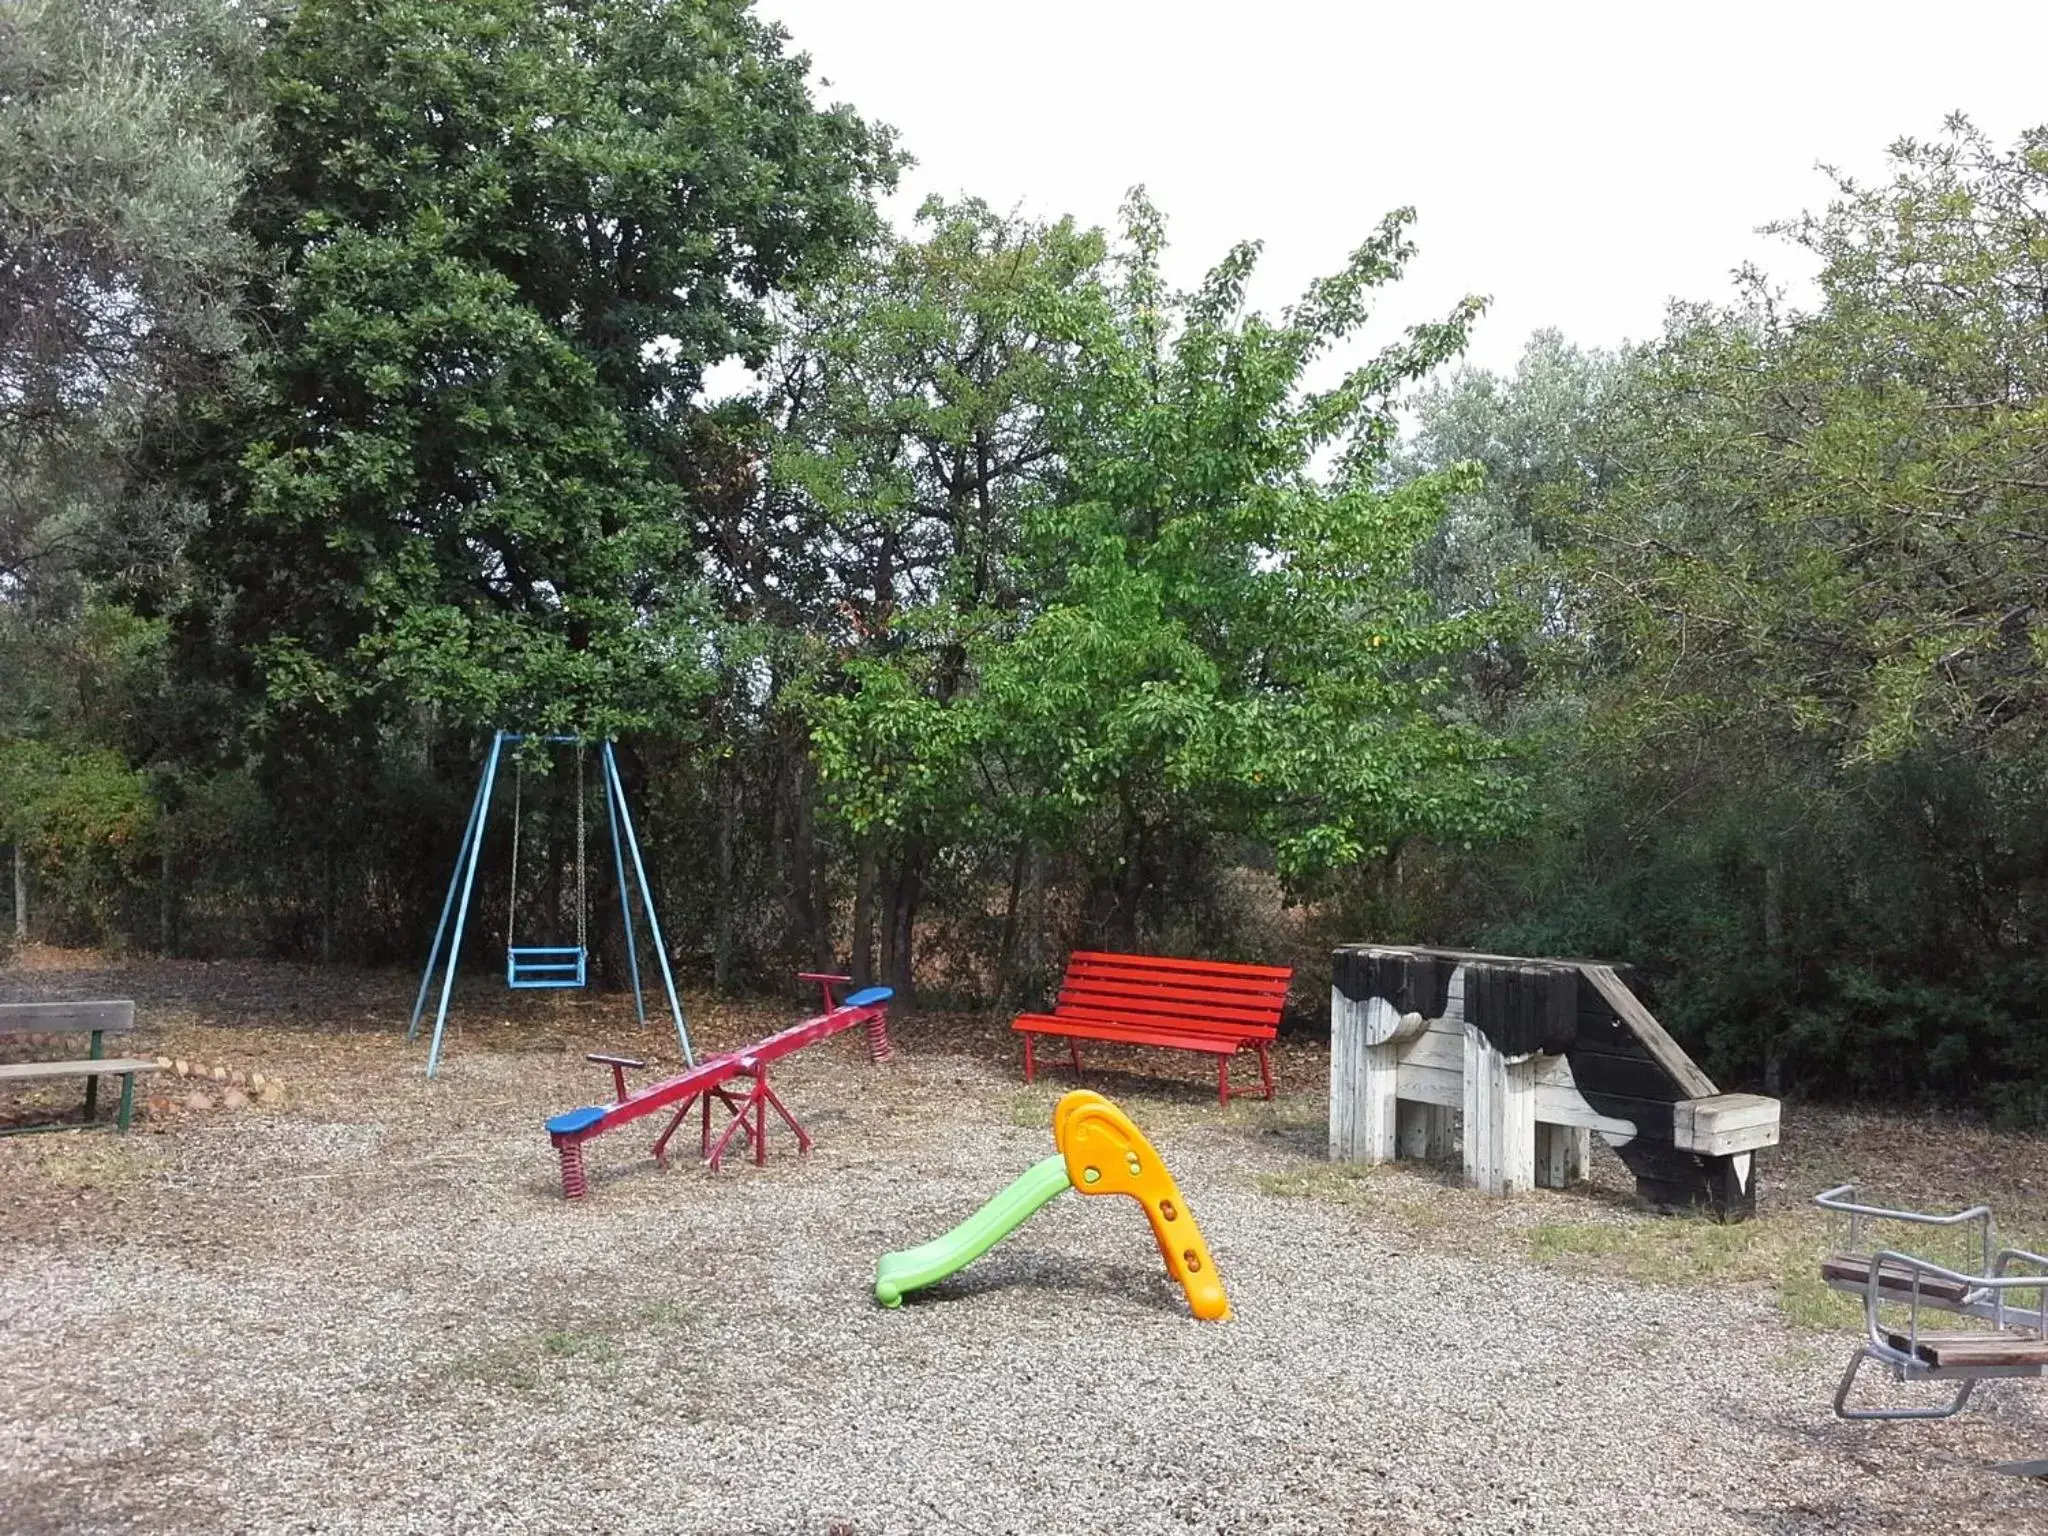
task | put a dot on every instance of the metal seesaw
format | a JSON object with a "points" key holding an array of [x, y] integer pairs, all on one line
{"points": [[709, 1080]]}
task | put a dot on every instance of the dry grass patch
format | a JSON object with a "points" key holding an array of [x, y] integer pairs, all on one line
{"points": [[1600, 1231]]}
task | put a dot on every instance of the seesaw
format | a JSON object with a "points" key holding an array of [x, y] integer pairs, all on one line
{"points": [[1100, 1153], [708, 1080]]}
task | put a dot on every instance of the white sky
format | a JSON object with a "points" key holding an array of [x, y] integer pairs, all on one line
{"points": [[1581, 162]]}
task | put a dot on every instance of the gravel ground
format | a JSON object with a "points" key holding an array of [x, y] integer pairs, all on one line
{"points": [[371, 1311]]}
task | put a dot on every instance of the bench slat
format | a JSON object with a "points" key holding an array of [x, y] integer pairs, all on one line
{"points": [[1228, 969], [1083, 1029], [1961, 1351], [110, 1017], [22, 1071], [1187, 1024], [1851, 1272], [1259, 999], [1137, 1010], [1257, 1009]]}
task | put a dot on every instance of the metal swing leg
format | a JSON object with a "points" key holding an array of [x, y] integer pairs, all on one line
{"points": [[1844, 1411]]}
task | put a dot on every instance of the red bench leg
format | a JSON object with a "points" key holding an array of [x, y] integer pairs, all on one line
{"points": [[1074, 1055], [1265, 1069], [1223, 1080], [1027, 1058]]}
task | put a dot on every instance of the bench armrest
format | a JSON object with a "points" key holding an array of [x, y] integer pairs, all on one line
{"points": [[1991, 1287], [1842, 1200]]}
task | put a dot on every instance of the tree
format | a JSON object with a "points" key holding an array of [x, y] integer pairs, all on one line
{"points": [[1797, 632], [1835, 524], [1212, 637], [123, 141], [915, 402], [512, 237]]}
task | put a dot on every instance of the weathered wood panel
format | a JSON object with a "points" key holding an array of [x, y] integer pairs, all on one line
{"points": [[1726, 1123], [1500, 1117], [1423, 1131], [1563, 1153], [1432, 1085], [66, 1018]]}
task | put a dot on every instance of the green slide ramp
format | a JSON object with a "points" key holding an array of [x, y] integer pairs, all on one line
{"points": [[914, 1268]]}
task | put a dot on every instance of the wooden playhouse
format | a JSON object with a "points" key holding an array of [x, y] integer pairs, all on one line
{"points": [[1536, 1055]]}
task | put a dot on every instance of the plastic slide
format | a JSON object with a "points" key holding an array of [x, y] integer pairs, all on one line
{"points": [[915, 1268], [1100, 1153]]}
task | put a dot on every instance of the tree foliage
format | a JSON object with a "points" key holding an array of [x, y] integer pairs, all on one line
{"points": [[1204, 635], [513, 236], [1794, 558]]}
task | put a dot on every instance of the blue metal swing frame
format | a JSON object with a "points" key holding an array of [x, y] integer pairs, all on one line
{"points": [[532, 966]]}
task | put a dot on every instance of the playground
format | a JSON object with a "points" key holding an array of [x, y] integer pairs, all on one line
{"points": [[369, 1307]]}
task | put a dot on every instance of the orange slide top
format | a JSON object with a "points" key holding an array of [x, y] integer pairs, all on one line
{"points": [[1107, 1155]]}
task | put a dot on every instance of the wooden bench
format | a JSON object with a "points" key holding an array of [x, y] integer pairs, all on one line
{"points": [[1997, 1291], [1184, 1005], [95, 1019]]}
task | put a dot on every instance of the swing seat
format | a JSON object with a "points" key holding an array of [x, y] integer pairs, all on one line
{"points": [[544, 967]]}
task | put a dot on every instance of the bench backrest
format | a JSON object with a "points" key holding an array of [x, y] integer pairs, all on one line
{"points": [[66, 1018], [1199, 996]]}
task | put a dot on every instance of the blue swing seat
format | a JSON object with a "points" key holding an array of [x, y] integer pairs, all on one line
{"points": [[543, 967]]}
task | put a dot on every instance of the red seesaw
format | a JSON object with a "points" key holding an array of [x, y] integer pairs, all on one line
{"points": [[707, 1080]]}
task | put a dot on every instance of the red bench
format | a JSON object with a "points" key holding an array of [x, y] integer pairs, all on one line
{"points": [[1187, 1005]]}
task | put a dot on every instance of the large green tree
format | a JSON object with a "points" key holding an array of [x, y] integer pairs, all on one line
{"points": [[1213, 631], [1832, 522], [915, 402], [1793, 566], [511, 238]]}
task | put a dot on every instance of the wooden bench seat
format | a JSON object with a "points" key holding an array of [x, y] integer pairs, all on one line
{"points": [[1851, 1272], [96, 1019], [26, 1071], [1973, 1351], [1211, 1006]]}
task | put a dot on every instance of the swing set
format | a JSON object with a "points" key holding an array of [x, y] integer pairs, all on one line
{"points": [[546, 966]]}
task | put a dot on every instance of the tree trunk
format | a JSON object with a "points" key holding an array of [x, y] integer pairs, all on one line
{"points": [[861, 962], [1113, 897], [163, 899], [722, 923], [899, 957], [1006, 950], [807, 901], [327, 896], [1774, 947]]}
